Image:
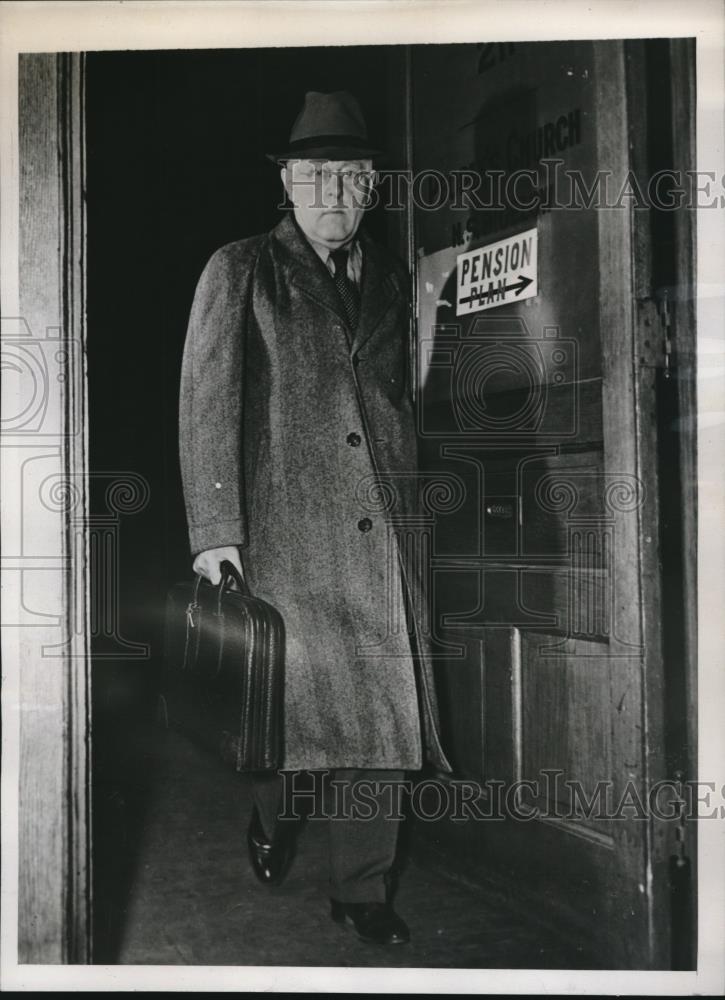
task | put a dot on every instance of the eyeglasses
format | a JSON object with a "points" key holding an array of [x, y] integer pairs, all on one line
{"points": [[322, 173]]}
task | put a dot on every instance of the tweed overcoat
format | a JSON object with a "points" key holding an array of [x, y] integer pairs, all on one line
{"points": [[297, 444]]}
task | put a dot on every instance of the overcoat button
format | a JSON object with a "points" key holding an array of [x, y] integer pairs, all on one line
{"points": [[365, 524], [353, 439]]}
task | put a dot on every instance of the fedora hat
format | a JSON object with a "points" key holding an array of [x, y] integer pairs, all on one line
{"points": [[329, 126]]}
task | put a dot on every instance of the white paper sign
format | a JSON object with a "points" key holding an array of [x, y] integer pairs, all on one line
{"points": [[497, 274]]}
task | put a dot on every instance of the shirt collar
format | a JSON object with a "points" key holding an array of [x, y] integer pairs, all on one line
{"points": [[323, 252], [354, 247]]}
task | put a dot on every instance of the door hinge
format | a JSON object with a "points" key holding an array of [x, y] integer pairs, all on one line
{"points": [[682, 890], [663, 310], [680, 858], [660, 355]]}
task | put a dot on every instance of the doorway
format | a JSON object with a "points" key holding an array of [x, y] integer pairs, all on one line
{"points": [[175, 169]]}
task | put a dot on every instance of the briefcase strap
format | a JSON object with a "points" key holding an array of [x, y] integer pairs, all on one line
{"points": [[230, 574]]}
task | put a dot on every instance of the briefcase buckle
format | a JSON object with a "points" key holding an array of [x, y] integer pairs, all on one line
{"points": [[191, 608]]}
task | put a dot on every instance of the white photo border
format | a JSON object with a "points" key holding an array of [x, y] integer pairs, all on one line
{"points": [[86, 26]]}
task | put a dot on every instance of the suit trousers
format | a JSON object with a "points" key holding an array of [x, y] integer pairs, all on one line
{"points": [[362, 838]]}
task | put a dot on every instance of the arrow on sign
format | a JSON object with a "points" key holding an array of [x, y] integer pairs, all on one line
{"points": [[517, 287]]}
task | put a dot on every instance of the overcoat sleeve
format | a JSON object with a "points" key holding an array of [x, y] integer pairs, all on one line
{"points": [[211, 400]]}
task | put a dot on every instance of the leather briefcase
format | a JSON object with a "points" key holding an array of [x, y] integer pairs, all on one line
{"points": [[224, 670]]}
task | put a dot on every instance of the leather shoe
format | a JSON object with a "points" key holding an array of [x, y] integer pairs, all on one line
{"points": [[270, 859], [377, 923]]}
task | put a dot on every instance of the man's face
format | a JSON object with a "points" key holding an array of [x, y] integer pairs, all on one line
{"points": [[329, 197]]}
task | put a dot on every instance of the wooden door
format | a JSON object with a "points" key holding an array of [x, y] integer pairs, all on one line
{"points": [[536, 416]]}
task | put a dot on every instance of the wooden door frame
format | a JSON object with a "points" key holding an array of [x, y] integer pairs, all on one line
{"points": [[45, 566], [621, 434], [667, 929]]}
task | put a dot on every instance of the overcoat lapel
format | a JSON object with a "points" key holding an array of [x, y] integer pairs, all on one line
{"points": [[379, 290], [307, 272]]}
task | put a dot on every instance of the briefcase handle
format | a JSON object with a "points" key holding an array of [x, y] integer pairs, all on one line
{"points": [[230, 573]]}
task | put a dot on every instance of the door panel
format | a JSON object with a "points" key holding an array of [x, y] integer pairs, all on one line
{"points": [[539, 593]]}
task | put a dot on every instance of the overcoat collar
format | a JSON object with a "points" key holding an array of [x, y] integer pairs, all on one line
{"points": [[305, 269]]}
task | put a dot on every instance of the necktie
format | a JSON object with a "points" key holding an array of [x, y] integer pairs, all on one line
{"points": [[346, 288]]}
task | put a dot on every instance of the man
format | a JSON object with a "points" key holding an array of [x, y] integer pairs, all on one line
{"points": [[298, 455]]}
